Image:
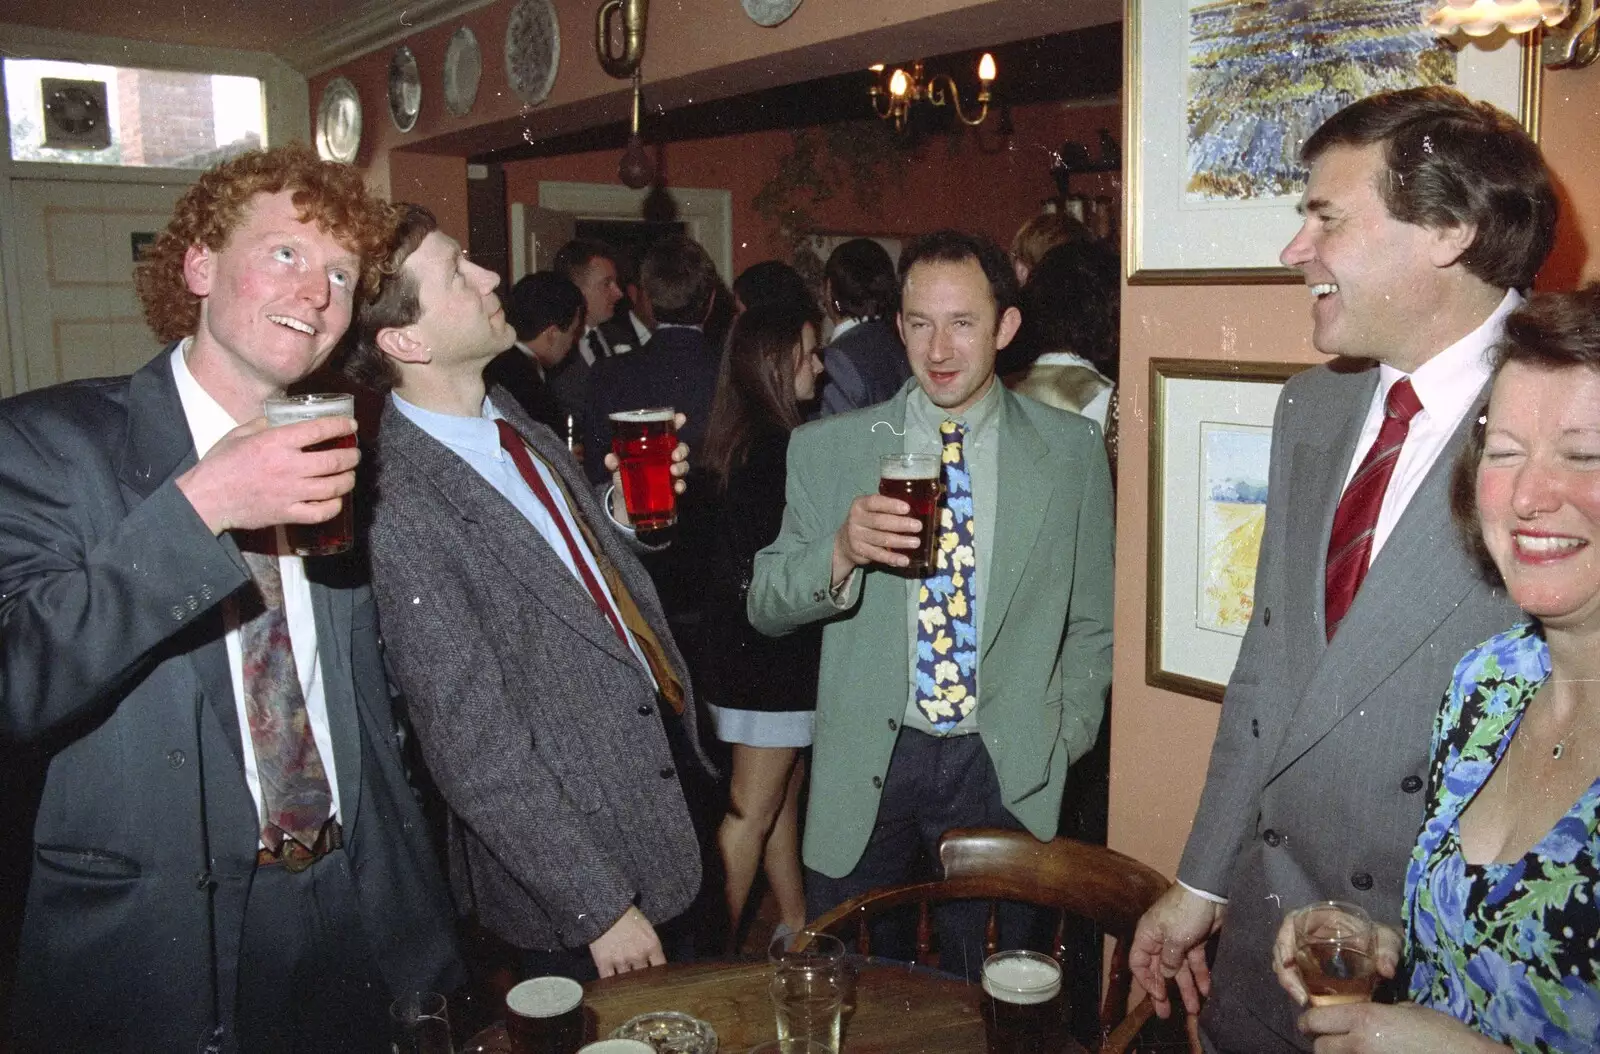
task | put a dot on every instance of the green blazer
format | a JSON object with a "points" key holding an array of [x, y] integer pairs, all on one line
{"points": [[1045, 647]]}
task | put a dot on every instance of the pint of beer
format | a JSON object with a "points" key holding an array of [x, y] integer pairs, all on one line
{"points": [[545, 1016], [643, 441], [330, 536], [1023, 1010], [914, 479]]}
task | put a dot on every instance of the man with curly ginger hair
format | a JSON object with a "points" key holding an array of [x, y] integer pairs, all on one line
{"points": [[226, 852]]}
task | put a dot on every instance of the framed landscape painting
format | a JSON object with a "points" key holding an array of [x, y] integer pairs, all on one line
{"points": [[1223, 93], [1210, 443]]}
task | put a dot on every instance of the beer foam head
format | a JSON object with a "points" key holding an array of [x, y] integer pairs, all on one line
{"points": [[544, 996], [909, 466], [653, 415], [1021, 977]]}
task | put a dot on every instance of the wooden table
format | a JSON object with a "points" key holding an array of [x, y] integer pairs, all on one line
{"points": [[900, 1009]]}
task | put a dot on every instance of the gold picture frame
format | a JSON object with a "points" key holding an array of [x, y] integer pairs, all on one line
{"points": [[1210, 441], [1173, 238]]}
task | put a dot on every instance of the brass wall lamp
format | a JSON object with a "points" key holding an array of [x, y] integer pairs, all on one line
{"points": [[893, 94]]}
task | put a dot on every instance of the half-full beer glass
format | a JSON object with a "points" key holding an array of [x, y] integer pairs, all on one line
{"points": [[914, 479], [643, 441], [1335, 946], [339, 533], [1023, 1010]]}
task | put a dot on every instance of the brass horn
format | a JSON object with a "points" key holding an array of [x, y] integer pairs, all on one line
{"points": [[633, 14]]}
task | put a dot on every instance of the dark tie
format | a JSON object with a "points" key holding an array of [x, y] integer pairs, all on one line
{"points": [[295, 796], [626, 611], [1350, 545], [597, 347]]}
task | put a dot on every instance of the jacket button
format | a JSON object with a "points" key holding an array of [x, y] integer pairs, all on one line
{"points": [[1266, 616], [645, 710], [893, 725], [1255, 728], [1361, 880], [877, 782], [819, 596], [668, 772], [1271, 837], [1411, 784], [175, 758]]}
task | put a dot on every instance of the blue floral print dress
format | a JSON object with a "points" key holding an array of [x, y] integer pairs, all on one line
{"points": [[1510, 949]]}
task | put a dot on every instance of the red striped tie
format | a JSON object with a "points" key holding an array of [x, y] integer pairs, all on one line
{"points": [[1350, 546]]}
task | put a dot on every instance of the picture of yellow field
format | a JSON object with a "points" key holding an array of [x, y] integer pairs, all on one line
{"points": [[1233, 501]]}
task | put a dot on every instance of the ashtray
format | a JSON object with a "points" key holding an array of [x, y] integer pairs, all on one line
{"points": [[670, 1032]]}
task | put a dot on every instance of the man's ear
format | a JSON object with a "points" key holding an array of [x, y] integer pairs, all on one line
{"points": [[197, 267], [1009, 322], [1448, 244], [402, 345]]}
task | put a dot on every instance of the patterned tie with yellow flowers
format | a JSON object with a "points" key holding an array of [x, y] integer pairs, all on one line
{"points": [[947, 601]]}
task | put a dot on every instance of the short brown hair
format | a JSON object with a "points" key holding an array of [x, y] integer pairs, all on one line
{"points": [[394, 303], [1552, 331], [678, 279], [328, 194], [1450, 161]]}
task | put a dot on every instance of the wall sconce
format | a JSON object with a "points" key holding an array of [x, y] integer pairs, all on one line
{"points": [[1571, 36], [893, 95]]}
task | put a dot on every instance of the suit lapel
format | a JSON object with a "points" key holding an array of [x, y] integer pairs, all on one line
{"points": [[1023, 495], [331, 609]]}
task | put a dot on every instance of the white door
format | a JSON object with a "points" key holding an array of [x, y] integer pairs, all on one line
{"points": [[75, 254]]}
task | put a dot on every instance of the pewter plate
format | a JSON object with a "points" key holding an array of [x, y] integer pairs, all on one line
{"points": [[405, 88], [463, 66], [339, 121], [769, 12], [533, 49]]}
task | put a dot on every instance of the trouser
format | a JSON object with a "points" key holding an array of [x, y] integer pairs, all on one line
{"points": [[934, 783]]}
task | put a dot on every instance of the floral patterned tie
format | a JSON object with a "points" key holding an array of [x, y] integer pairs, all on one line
{"points": [[947, 601], [295, 796]]}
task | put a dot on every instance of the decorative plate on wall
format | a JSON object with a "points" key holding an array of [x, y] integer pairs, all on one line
{"points": [[769, 12], [339, 121], [405, 88], [463, 66], [533, 49]]}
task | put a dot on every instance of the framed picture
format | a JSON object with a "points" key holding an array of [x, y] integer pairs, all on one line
{"points": [[1222, 94], [1210, 442]]}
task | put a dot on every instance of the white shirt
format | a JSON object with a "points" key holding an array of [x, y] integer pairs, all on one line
{"points": [[208, 423]]}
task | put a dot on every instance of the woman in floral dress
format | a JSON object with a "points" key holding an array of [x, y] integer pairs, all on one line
{"points": [[1502, 942]]}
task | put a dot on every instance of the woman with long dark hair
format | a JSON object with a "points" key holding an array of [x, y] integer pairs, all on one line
{"points": [[762, 690]]}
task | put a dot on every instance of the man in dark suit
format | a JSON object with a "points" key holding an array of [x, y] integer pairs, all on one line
{"points": [[1424, 214], [226, 847], [864, 362], [551, 703], [547, 312]]}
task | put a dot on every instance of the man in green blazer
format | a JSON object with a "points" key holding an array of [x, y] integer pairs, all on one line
{"points": [[958, 699]]}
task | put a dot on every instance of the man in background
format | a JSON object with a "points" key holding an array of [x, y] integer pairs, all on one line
{"points": [[547, 312]]}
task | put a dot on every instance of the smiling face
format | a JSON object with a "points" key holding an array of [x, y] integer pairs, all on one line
{"points": [[274, 300], [947, 321], [807, 365], [597, 280], [461, 320], [1539, 490], [1375, 281]]}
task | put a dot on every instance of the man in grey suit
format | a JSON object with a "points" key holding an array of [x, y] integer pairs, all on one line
{"points": [[227, 852], [1424, 215], [551, 703]]}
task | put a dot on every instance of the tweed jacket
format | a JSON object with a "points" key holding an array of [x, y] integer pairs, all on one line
{"points": [[540, 727]]}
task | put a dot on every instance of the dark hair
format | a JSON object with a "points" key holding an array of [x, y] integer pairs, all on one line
{"points": [[541, 300], [1046, 231], [678, 279], [395, 304], [772, 281], [578, 254], [1071, 303], [1552, 331], [958, 247], [861, 279], [1450, 161], [755, 386], [331, 195]]}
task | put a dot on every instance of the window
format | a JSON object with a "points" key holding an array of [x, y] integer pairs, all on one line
{"points": [[75, 113]]}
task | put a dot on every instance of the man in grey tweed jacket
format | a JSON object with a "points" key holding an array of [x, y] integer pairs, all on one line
{"points": [[547, 720]]}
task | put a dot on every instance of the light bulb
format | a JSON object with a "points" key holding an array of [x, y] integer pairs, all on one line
{"points": [[986, 68], [899, 84]]}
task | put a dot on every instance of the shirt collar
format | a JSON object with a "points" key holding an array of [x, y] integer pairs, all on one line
{"points": [[922, 414], [678, 325], [845, 325], [208, 421], [1447, 384], [480, 434]]}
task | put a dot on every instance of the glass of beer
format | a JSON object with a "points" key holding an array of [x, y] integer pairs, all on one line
{"points": [[1023, 1009], [545, 1016], [643, 441], [421, 1024], [823, 951], [809, 1004], [914, 479], [1335, 948], [339, 533]]}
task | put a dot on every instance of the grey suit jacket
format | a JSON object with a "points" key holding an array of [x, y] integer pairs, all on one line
{"points": [[112, 658], [1316, 782], [864, 366], [540, 726]]}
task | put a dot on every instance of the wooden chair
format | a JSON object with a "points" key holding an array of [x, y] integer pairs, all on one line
{"points": [[1073, 878]]}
